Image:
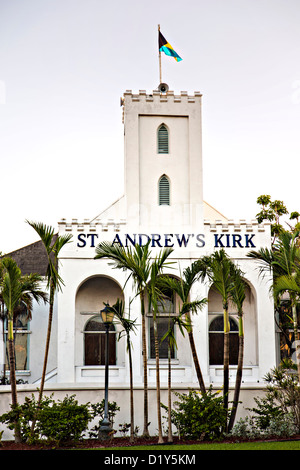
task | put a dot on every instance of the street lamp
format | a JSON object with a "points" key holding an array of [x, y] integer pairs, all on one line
{"points": [[107, 315]]}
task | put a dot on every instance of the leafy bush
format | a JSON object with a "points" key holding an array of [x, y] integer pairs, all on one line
{"points": [[278, 412], [198, 416], [61, 421], [24, 415], [56, 421], [64, 420], [98, 410]]}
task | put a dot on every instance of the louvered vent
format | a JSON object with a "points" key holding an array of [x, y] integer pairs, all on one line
{"points": [[164, 191], [163, 139]]}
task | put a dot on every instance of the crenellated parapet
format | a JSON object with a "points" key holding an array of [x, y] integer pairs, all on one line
{"points": [[240, 236], [97, 225], [236, 226], [156, 98]]}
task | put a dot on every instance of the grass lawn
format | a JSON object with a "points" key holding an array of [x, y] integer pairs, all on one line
{"points": [[267, 445]]}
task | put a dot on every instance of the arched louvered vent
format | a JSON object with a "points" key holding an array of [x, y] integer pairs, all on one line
{"points": [[163, 139], [164, 191]]}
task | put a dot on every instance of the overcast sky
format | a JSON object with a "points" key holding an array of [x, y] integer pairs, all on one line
{"points": [[64, 64]]}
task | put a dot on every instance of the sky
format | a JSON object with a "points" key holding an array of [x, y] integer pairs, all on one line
{"points": [[65, 64]]}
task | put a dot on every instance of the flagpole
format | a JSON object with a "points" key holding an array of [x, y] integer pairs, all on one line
{"points": [[159, 56]]}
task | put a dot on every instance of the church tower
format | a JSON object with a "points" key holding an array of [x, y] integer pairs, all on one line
{"points": [[163, 160]]}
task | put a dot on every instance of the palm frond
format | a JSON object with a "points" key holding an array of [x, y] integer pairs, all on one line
{"points": [[45, 232], [287, 283]]}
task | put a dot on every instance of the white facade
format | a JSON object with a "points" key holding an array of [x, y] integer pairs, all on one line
{"points": [[189, 225], [181, 225]]}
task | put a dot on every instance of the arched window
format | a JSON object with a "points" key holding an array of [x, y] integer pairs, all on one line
{"points": [[21, 339], [163, 325], [216, 341], [166, 309], [94, 343], [164, 191], [162, 139]]}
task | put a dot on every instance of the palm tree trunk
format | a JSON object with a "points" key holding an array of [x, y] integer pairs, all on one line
{"points": [[4, 347], [146, 431], [47, 346], [239, 374], [131, 391], [160, 437], [296, 336], [226, 359], [46, 350], [195, 357], [13, 384], [170, 436]]}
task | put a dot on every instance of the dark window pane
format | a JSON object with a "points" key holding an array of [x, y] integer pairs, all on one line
{"points": [[94, 343], [216, 341], [163, 139], [162, 328]]}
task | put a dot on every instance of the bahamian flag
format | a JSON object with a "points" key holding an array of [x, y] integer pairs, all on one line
{"points": [[165, 47]]}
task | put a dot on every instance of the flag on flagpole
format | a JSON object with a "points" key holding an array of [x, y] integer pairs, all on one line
{"points": [[165, 47]]}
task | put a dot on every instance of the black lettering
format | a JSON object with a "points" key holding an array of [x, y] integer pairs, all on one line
{"points": [[218, 240], [92, 235], [117, 240], [200, 240], [141, 235], [156, 240], [168, 240], [81, 237], [236, 240], [132, 241], [182, 241], [249, 240]]}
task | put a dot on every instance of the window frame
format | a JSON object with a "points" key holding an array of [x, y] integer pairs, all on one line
{"points": [[164, 179], [163, 140], [18, 331], [151, 344], [101, 343], [220, 341]]}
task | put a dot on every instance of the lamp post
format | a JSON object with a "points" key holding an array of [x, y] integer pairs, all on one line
{"points": [[107, 315]]}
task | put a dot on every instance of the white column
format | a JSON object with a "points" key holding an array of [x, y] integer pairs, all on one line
{"points": [[66, 327]]}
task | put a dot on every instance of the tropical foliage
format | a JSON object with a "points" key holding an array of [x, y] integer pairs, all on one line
{"points": [[128, 326], [282, 262], [143, 270], [227, 279], [53, 244], [17, 290]]}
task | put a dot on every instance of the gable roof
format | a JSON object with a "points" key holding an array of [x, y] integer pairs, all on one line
{"points": [[31, 258]]}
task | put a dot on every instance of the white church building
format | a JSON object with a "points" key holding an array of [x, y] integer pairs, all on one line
{"points": [[163, 203]]}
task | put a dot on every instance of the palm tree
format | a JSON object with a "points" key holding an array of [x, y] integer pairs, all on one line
{"points": [[172, 345], [219, 271], [53, 244], [182, 287], [128, 326], [283, 262], [154, 296], [16, 290], [136, 260], [238, 297]]}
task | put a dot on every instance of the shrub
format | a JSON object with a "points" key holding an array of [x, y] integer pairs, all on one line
{"points": [[278, 412], [24, 415], [198, 416], [57, 421], [98, 410], [64, 420]]}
